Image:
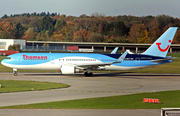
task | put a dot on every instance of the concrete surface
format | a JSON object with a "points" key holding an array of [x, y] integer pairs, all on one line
{"points": [[101, 85], [79, 112]]}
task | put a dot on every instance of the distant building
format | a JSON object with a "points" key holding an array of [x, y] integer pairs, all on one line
{"points": [[5, 43]]}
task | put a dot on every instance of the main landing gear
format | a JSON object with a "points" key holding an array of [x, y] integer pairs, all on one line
{"points": [[88, 73], [15, 72]]}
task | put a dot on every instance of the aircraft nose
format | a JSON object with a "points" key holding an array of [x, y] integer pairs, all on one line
{"points": [[3, 61]]}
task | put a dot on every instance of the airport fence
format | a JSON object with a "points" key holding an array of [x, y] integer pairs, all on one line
{"points": [[58, 49], [43, 48]]}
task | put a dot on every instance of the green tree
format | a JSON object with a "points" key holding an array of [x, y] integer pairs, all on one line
{"points": [[68, 37], [5, 16], [59, 24], [78, 39], [116, 29], [19, 30], [14, 47], [42, 36], [120, 28], [4, 35], [96, 37], [47, 23], [164, 20]]}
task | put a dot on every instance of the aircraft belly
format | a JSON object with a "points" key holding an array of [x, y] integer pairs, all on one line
{"points": [[122, 68]]}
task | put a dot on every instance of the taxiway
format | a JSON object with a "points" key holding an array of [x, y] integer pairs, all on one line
{"points": [[101, 85]]}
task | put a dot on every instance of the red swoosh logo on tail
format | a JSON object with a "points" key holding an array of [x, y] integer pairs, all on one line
{"points": [[162, 50]]}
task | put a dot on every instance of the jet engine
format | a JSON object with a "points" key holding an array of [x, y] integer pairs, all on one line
{"points": [[70, 69]]}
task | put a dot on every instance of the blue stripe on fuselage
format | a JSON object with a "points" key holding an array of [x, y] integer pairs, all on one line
{"points": [[135, 56]]}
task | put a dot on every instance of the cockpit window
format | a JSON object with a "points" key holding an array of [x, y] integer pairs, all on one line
{"points": [[9, 58]]}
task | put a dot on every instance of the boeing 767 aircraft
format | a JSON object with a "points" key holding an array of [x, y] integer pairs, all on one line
{"points": [[71, 63]]}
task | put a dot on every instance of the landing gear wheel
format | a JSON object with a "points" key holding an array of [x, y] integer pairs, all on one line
{"points": [[15, 71], [15, 74], [88, 74]]}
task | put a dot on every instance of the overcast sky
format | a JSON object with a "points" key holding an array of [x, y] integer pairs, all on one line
{"points": [[79, 7]]}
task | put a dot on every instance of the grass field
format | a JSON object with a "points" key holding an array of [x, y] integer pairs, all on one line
{"points": [[16, 86], [171, 68], [135, 101]]}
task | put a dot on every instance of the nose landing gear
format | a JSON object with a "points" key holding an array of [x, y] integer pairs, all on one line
{"points": [[15, 72]]}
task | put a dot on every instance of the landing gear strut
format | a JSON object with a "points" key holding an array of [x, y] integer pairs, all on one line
{"points": [[15, 72]]}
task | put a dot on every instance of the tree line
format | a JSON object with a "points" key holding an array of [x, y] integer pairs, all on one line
{"points": [[95, 28], [32, 14]]}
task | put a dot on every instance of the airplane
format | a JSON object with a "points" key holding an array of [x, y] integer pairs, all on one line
{"points": [[71, 63]]}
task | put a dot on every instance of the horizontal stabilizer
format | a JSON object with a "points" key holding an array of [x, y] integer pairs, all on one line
{"points": [[161, 60]]}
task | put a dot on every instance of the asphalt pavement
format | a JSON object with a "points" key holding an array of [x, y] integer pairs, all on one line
{"points": [[100, 85]]}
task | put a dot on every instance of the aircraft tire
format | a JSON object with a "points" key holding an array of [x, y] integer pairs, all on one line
{"points": [[88, 74], [15, 74]]}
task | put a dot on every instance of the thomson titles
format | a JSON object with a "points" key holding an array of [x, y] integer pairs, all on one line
{"points": [[25, 57]]}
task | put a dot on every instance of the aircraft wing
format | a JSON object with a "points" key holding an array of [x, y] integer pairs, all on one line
{"points": [[161, 60], [119, 60]]}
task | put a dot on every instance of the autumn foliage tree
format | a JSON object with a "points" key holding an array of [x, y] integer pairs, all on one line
{"points": [[5, 30], [58, 36], [83, 33], [30, 34], [176, 39], [95, 28], [144, 38], [136, 32], [154, 31]]}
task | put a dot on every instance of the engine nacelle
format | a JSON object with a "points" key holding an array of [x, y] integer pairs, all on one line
{"points": [[70, 69]]}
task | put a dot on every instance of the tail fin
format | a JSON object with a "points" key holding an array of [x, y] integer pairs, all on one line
{"points": [[161, 46], [115, 50]]}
